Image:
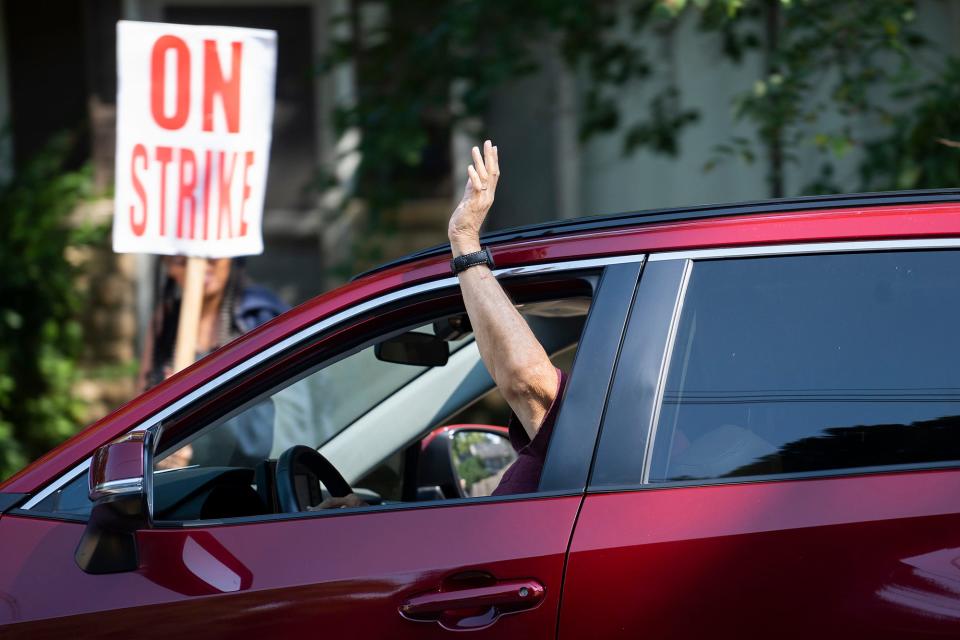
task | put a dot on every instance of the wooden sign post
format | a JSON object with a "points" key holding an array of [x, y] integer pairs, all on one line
{"points": [[194, 119], [191, 303]]}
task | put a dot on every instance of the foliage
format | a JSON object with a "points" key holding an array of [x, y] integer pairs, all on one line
{"points": [[826, 67], [920, 148], [40, 337], [472, 471], [469, 467], [424, 65]]}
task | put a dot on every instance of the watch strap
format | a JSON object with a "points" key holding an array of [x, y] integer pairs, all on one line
{"points": [[467, 260]]}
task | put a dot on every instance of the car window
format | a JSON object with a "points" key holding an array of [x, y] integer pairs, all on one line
{"points": [[810, 363], [309, 411], [71, 500], [365, 415]]}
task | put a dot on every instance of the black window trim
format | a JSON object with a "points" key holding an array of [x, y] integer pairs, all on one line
{"points": [[648, 327], [581, 414], [847, 472]]}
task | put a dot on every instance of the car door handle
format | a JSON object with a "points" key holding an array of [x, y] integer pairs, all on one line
{"points": [[485, 604]]}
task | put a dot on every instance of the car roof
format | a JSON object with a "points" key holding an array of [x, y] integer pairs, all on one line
{"points": [[681, 214]]}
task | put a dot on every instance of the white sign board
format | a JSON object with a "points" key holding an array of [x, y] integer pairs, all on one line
{"points": [[194, 112]]}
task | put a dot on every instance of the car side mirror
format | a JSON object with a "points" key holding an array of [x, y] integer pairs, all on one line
{"points": [[419, 349], [462, 461], [480, 458], [118, 480]]}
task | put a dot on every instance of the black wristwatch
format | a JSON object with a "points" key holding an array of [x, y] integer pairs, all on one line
{"points": [[461, 263]]}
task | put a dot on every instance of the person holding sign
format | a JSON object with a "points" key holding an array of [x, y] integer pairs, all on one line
{"points": [[231, 306], [194, 122], [194, 119]]}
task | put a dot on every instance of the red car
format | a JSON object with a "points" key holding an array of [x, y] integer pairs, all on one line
{"points": [[760, 438]]}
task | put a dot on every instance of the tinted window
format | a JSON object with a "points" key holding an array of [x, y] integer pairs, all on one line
{"points": [[807, 363]]}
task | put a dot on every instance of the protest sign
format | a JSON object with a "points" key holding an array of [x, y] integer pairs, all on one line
{"points": [[194, 117]]}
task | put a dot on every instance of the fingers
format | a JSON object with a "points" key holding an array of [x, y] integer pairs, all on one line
{"points": [[179, 458], [479, 165], [474, 178], [334, 502], [483, 174], [486, 167], [490, 160], [353, 500]]}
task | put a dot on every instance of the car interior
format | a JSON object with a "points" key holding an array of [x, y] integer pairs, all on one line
{"points": [[412, 417]]}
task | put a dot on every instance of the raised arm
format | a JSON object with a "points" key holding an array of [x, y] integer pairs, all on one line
{"points": [[512, 354]]}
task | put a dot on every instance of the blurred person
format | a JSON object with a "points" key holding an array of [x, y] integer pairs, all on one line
{"points": [[231, 306]]}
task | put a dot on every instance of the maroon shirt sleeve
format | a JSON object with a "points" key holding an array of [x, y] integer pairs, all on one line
{"points": [[523, 476]]}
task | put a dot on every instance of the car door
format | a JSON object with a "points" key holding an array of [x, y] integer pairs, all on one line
{"points": [[492, 566], [780, 451]]}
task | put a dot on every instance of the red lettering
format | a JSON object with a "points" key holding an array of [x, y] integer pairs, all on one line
{"points": [[139, 151], [206, 194], [214, 84], [158, 82], [187, 188], [164, 155], [248, 161], [225, 178]]}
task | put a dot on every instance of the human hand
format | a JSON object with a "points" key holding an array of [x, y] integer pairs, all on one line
{"points": [[478, 193], [348, 501], [179, 458]]}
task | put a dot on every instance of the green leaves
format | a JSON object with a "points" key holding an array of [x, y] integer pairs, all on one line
{"points": [[424, 67], [824, 68], [40, 338], [829, 68], [918, 149], [660, 133]]}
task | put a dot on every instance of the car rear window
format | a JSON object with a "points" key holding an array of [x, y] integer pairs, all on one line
{"points": [[809, 363]]}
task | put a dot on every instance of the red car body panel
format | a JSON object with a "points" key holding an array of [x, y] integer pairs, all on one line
{"points": [[837, 557], [791, 558], [277, 578]]}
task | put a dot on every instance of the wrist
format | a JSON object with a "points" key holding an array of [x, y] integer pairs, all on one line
{"points": [[461, 245], [470, 261]]}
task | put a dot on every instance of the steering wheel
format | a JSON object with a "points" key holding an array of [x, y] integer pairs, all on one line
{"points": [[303, 461]]}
